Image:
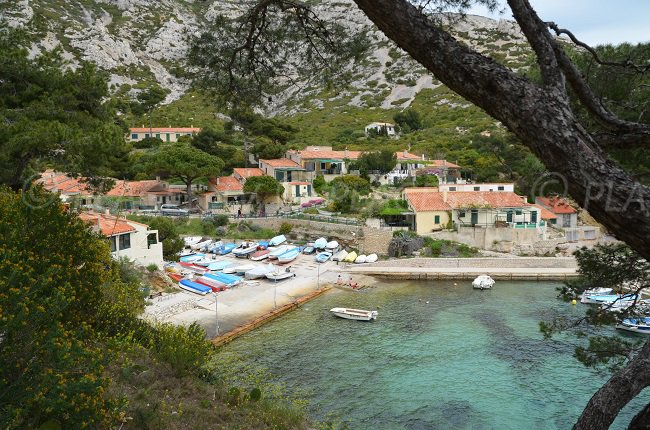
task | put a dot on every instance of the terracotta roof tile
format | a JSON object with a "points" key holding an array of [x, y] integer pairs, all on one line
{"points": [[248, 172], [282, 162], [108, 225], [556, 205], [545, 213], [435, 200], [226, 183], [131, 188]]}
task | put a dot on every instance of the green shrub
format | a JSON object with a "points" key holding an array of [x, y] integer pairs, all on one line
{"points": [[285, 228], [152, 268]]}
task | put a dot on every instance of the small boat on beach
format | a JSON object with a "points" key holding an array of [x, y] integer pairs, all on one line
{"points": [[355, 314], [635, 325], [194, 287], [280, 274], [371, 258], [245, 249], [219, 265], [226, 248], [192, 240], [350, 257], [200, 245], [332, 245], [260, 255], [191, 258], [260, 271], [238, 269], [360, 259], [308, 250], [228, 280], [483, 282], [212, 283], [273, 255], [322, 257], [288, 256], [263, 244], [320, 243], [277, 240], [340, 256], [194, 268]]}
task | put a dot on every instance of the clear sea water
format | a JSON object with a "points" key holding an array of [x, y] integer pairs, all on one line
{"points": [[468, 359]]}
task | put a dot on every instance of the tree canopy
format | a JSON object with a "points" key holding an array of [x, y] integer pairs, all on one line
{"points": [[182, 161], [409, 120], [219, 144], [264, 186], [377, 162], [51, 116]]}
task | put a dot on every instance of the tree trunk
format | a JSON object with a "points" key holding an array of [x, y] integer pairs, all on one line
{"points": [[540, 116], [605, 405], [642, 420], [188, 190]]}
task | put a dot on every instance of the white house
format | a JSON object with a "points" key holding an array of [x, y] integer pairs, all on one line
{"points": [[127, 238], [385, 128], [504, 187], [166, 134]]}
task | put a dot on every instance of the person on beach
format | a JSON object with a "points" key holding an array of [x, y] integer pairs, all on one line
{"points": [[339, 281], [350, 281]]}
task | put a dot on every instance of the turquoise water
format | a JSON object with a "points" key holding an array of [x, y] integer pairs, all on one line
{"points": [[466, 360]]}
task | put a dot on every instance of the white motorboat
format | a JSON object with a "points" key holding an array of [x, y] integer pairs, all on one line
{"points": [[597, 291], [371, 258], [340, 256], [354, 314], [483, 282], [245, 249], [332, 245], [360, 259], [200, 245], [289, 256], [279, 274], [192, 240], [599, 299], [259, 271], [636, 325], [277, 240]]}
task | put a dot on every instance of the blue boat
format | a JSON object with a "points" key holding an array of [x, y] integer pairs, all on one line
{"points": [[228, 280], [320, 243], [606, 298], [289, 255], [194, 287], [191, 258], [226, 248], [277, 240], [263, 244], [322, 257], [219, 265], [636, 325]]}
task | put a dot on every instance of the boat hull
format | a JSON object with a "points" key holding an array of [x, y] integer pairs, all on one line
{"points": [[354, 314], [278, 276]]}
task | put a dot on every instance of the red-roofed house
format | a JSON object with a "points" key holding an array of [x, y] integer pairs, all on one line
{"points": [[127, 238], [292, 176], [69, 188], [166, 134], [435, 209], [567, 216], [241, 173]]}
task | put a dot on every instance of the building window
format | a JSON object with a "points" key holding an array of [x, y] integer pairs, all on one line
{"points": [[500, 188], [134, 136], [177, 136], [518, 212], [436, 219], [477, 188], [452, 188], [323, 166], [461, 214], [146, 135], [113, 244], [158, 135], [125, 241]]}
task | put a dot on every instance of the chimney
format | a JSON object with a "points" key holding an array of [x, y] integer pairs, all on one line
{"points": [[405, 153], [346, 154], [157, 178], [423, 159], [444, 195], [107, 211]]}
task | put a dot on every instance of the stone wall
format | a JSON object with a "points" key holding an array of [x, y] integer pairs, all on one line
{"points": [[367, 240]]}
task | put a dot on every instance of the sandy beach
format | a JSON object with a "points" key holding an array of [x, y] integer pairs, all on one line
{"points": [[254, 299]]}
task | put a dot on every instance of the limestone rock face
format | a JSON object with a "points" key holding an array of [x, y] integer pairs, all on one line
{"points": [[148, 40]]}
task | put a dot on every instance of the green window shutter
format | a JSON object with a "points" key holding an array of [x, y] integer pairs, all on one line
{"points": [[436, 219]]}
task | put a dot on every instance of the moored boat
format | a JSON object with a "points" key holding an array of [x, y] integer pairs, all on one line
{"points": [[483, 282], [340, 256], [226, 248], [322, 257], [194, 287], [238, 269], [350, 257], [599, 299], [354, 314], [219, 265], [277, 240], [191, 258], [308, 250], [635, 325]]}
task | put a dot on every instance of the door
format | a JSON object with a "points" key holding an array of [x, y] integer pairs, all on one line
{"points": [[533, 217], [474, 220], [509, 217], [298, 191]]}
